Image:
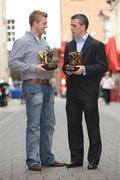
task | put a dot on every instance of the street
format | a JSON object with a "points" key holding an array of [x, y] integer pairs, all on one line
{"points": [[12, 145]]}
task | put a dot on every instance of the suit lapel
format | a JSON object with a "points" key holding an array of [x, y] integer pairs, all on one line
{"points": [[85, 47], [74, 48], [87, 44]]}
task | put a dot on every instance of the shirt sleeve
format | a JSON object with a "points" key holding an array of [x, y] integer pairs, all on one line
{"points": [[84, 73], [17, 56]]}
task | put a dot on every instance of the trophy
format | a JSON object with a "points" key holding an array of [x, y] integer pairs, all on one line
{"points": [[46, 59], [75, 58]]}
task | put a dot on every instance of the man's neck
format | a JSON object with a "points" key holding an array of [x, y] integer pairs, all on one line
{"points": [[35, 33], [81, 35]]}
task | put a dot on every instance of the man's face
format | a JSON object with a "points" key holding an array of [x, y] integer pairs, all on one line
{"points": [[41, 25], [77, 29]]}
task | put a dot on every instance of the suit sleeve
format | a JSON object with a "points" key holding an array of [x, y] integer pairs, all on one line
{"points": [[100, 65], [65, 59]]}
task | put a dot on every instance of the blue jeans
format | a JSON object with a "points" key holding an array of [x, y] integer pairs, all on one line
{"points": [[39, 100]]}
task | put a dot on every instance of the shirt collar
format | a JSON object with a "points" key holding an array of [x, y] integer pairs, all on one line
{"points": [[36, 37], [83, 38]]}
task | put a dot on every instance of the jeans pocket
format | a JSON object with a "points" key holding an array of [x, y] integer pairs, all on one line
{"points": [[28, 91]]}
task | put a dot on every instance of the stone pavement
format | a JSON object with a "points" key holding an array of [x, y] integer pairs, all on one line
{"points": [[12, 145]]}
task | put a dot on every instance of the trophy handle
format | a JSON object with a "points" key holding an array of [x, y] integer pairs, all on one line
{"points": [[49, 56], [80, 58]]}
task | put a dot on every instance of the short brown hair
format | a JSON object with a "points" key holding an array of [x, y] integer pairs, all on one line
{"points": [[35, 16]]}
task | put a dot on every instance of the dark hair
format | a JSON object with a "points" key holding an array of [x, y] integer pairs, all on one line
{"points": [[36, 16], [82, 19]]}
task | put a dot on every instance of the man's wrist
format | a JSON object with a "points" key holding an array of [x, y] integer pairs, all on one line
{"points": [[84, 73]]}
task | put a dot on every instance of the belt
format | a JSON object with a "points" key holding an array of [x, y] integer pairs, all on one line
{"points": [[38, 81]]}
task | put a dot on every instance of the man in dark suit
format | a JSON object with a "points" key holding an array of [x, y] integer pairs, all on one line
{"points": [[83, 91]]}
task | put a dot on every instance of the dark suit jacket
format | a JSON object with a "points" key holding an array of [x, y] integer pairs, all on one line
{"points": [[94, 60]]}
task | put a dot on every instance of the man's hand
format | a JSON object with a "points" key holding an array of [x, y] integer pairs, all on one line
{"points": [[81, 70], [39, 68], [69, 73]]}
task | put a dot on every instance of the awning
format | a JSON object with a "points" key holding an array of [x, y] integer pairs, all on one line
{"points": [[112, 55]]}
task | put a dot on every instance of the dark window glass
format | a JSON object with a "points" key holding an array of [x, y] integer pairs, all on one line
{"points": [[9, 39], [13, 21]]}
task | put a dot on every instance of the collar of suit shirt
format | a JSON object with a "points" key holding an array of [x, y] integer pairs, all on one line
{"points": [[83, 38]]}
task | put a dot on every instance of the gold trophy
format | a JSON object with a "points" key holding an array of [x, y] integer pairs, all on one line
{"points": [[46, 58], [75, 58]]}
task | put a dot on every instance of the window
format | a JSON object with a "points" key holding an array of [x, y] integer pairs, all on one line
{"points": [[107, 27], [11, 30], [110, 1]]}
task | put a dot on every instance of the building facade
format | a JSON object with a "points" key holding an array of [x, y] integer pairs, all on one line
{"points": [[115, 19], [97, 12], [3, 43], [18, 20]]}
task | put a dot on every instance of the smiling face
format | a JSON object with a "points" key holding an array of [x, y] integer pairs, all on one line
{"points": [[77, 29]]}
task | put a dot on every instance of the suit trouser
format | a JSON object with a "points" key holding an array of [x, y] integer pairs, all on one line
{"points": [[106, 94], [74, 110]]}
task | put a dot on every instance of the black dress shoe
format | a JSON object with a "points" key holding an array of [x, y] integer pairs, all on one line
{"points": [[73, 165], [92, 166]]}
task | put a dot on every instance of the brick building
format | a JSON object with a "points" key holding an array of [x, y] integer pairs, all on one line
{"points": [[115, 20], [97, 12]]}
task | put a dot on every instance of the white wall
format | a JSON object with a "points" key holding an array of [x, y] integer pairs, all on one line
{"points": [[20, 10], [3, 43]]}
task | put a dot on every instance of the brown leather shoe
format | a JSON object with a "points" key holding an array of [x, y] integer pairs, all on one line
{"points": [[35, 167], [57, 164]]}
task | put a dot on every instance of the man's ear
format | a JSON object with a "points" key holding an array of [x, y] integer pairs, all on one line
{"points": [[83, 27]]}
